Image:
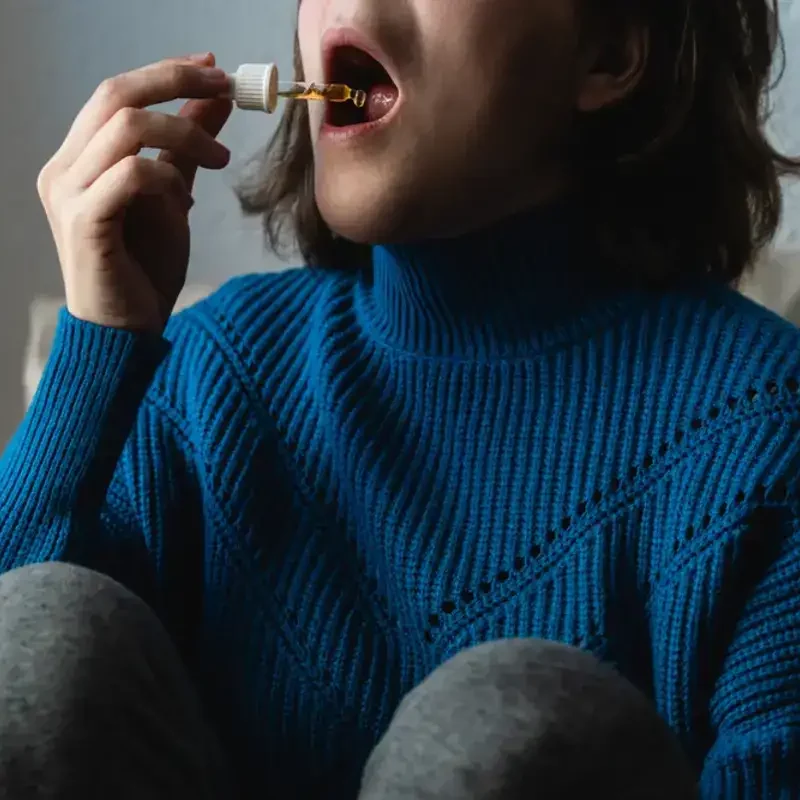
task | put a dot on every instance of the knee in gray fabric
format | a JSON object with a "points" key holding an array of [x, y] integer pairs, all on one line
{"points": [[94, 699], [72, 640], [58, 610], [47, 585], [527, 718]]}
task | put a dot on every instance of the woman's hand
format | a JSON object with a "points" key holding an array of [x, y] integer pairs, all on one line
{"points": [[120, 219]]}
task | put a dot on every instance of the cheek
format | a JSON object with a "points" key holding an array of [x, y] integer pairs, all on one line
{"points": [[316, 116], [519, 101], [309, 33]]}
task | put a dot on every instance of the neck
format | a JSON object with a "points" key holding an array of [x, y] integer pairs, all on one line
{"points": [[507, 289]]}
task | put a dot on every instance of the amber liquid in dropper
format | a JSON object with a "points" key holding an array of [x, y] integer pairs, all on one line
{"points": [[334, 92]]}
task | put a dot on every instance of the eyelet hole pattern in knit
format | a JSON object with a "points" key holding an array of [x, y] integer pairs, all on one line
{"points": [[777, 493]]}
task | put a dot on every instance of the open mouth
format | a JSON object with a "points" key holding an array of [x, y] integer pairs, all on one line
{"points": [[359, 70]]}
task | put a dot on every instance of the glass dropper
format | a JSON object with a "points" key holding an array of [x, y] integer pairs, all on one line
{"points": [[334, 92], [256, 87]]}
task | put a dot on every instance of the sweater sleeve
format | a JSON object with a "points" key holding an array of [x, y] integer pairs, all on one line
{"points": [[64, 492], [755, 706]]}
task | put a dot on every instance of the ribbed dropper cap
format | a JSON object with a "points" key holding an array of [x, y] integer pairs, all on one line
{"points": [[254, 87]]}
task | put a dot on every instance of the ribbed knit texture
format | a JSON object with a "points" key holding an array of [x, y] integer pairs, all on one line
{"points": [[329, 482]]}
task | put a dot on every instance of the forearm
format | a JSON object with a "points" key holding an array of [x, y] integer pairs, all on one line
{"points": [[57, 468]]}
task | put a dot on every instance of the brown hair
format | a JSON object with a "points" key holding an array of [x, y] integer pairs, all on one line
{"points": [[679, 178]]}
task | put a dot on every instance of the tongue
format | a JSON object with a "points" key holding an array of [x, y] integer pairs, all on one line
{"points": [[380, 100]]}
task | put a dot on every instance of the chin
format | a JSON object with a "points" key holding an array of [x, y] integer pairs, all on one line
{"points": [[400, 200], [367, 209]]}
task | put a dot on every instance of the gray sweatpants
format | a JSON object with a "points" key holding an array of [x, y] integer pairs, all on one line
{"points": [[95, 703]]}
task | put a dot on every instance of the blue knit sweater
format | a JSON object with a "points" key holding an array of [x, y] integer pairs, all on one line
{"points": [[327, 483]]}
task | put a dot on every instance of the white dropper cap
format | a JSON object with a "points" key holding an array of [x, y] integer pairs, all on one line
{"points": [[254, 87]]}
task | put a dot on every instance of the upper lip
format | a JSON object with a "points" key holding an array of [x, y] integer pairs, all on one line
{"points": [[336, 38]]}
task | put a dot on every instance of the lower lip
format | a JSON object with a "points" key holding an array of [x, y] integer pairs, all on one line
{"points": [[347, 133]]}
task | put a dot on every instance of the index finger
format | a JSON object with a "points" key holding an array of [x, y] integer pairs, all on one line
{"points": [[154, 83]]}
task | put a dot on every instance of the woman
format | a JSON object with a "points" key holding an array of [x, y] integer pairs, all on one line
{"points": [[514, 398]]}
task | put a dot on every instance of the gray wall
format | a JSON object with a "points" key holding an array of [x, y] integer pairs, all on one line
{"points": [[58, 50], [786, 123]]}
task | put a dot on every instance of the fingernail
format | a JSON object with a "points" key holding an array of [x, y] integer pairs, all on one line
{"points": [[199, 56]]}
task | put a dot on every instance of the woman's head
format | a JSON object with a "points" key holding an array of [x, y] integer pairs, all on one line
{"points": [[487, 89], [651, 112]]}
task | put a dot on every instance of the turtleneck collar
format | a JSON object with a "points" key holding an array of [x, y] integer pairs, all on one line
{"points": [[522, 284]]}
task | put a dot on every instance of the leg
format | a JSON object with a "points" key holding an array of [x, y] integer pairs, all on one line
{"points": [[525, 718], [94, 702]]}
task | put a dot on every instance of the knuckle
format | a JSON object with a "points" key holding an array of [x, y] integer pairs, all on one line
{"points": [[134, 170], [44, 181], [163, 172], [173, 175], [196, 134], [48, 185], [189, 134], [109, 90], [129, 119], [175, 73]]}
